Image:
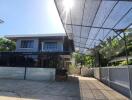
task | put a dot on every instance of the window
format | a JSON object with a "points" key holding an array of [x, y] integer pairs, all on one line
{"points": [[50, 46], [27, 43]]}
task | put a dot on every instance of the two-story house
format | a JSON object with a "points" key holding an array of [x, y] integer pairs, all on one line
{"points": [[41, 43], [37, 56], [58, 46]]}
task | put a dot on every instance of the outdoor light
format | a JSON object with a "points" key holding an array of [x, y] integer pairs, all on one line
{"points": [[68, 4]]}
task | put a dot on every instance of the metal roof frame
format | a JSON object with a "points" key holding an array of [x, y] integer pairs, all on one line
{"points": [[92, 26]]}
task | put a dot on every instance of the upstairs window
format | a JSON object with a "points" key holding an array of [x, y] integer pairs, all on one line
{"points": [[27, 43], [50, 46]]}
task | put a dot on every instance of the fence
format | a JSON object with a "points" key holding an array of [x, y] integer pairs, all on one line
{"points": [[30, 73], [30, 65], [32, 59], [118, 78]]}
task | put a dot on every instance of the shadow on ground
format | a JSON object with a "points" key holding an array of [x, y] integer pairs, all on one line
{"points": [[75, 88], [42, 90]]}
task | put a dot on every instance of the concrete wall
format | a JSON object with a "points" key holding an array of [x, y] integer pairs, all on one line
{"points": [[40, 74], [31, 73], [97, 73], [118, 78], [34, 49], [12, 72], [88, 72], [130, 78]]}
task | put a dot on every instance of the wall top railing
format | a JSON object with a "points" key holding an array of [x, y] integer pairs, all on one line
{"points": [[115, 66]]}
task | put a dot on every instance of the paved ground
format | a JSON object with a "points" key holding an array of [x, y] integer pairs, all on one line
{"points": [[77, 88]]}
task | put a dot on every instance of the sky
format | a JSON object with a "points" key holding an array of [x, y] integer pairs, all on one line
{"points": [[29, 17]]}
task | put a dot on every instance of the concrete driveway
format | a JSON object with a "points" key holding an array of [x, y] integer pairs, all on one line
{"points": [[24, 89], [76, 88]]}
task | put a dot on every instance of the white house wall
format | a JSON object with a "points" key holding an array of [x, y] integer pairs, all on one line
{"points": [[34, 49]]}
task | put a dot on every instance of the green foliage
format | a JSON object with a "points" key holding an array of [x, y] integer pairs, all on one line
{"points": [[116, 47], [7, 45], [123, 63], [129, 30], [89, 61], [112, 48], [103, 61], [130, 62], [83, 59]]}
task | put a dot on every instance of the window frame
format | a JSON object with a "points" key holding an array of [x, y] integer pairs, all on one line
{"points": [[27, 47], [50, 50]]}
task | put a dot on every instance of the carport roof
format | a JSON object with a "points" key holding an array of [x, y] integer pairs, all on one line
{"points": [[91, 21]]}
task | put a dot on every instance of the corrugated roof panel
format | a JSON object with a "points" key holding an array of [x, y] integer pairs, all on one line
{"points": [[104, 11], [119, 11], [84, 32], [68, 28], [125, 21], [91, 7], [94, 20], [77, 11], [76, 31]]}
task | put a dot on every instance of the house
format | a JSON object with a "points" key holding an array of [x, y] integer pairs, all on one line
{"points": [[47, 53], [42, 43], [49, 46]]}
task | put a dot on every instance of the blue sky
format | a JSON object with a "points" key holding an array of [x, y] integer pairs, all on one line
{"points": [[29, 16]]}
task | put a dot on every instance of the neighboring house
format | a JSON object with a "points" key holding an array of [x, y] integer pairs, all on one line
{"points": [[38, 56], [42, 43], [42, 50]]}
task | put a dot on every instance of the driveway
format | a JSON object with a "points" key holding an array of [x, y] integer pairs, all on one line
{"points": [[76, 88]]}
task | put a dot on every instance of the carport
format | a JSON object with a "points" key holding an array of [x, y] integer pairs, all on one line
{"points": [[93, 23]]}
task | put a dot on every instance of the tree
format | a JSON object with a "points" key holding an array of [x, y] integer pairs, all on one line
{"points": [[112, 48], [7, 45], [83, 59]]}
